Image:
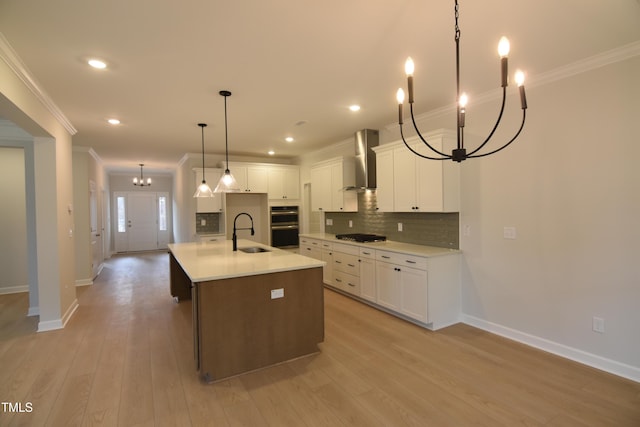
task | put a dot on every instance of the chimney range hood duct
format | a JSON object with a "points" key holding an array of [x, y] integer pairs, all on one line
{"points": [[365, 158]]}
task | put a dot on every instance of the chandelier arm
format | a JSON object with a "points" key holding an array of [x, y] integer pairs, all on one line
{"points": [[415, 126], [418, 154], [524, 116], [495, 127]]}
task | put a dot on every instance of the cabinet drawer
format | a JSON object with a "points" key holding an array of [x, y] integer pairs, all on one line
{"points": [[402, 259], [346, 263], [346, 282], [326, 245], [367, 253], [347, 249], [305, 241]]}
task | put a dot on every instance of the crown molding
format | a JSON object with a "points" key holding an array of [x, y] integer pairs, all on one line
{"points": [[11, 58], [612, 56]]}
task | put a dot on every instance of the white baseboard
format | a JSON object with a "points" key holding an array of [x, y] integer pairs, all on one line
{"points": [[84, 282], [595, 361], [51, 325], [14, 289]]}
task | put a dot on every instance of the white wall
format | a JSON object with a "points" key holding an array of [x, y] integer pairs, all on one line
{"points": [[49, 193], [13, 222], [571, 188]]}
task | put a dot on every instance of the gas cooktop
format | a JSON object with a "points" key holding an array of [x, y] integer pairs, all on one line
{"points": [[361, 238]]}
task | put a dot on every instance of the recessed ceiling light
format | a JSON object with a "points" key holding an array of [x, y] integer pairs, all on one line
{"points": [[96, 63], [114, 121], [354, 108], [289, 139], [271, 152]]}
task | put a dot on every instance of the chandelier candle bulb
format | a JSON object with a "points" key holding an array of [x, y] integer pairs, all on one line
{"points": [[503, 51], [462, 104], [400, 98], [519, 77], [409, 68]]}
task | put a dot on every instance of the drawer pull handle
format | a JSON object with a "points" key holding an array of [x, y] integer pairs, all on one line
{"points": [[410, 262], [338, 262], [351, 284], [366, 253], [338, 280], [351, 265], [385, 257]]}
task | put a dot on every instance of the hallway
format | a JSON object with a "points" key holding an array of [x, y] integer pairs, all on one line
{"points": [[126, 358]]}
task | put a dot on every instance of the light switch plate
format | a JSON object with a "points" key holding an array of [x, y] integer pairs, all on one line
{"points": [[509, 233]]}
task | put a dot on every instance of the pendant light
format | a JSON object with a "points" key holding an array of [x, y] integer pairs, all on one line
{"points": [[227, 183], [203, 189], [141, 181]]}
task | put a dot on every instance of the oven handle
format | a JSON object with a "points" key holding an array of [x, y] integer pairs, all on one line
{"points": [[283, 227], [278, 213]]}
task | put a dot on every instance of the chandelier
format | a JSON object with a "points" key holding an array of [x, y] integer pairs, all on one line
{"points": [[141, 181], [460, 153]]}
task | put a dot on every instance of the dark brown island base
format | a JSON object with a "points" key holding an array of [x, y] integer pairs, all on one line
{"points": [[250, 310]]}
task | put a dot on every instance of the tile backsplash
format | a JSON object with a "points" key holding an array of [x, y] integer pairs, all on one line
{"points": [[432, 229], [211, 223]]}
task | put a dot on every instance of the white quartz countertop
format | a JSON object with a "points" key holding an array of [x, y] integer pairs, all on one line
{"points": [[215, 260], [389, 245]]}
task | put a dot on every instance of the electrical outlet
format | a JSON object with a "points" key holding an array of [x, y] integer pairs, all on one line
{"points": [[350, 224], [329, 221], [277, 293], [598, 325], [399, 226], [466, 230], [509, 233], [203, 222]]}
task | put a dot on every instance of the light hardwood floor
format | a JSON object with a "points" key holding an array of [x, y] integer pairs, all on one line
{"points": [[126, 359]]}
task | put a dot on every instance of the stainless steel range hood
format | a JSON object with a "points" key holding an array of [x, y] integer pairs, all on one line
{"points": [[365, 140]]}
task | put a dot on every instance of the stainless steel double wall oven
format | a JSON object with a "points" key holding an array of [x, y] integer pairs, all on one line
{"points": [[284, 226]]}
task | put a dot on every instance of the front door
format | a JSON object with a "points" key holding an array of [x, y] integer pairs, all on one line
{"points": [[140, 221]]}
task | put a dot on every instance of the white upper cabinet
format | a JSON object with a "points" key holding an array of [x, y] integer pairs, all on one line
{"points": [[251, 178], [209, 204], [328, 180], [409, 183], [283, 182]]}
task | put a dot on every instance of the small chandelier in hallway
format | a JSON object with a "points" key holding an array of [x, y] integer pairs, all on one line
{"points": [[141, 182]]}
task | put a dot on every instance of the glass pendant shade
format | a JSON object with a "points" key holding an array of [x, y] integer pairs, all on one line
{"points": [[227, 183], [203, 190]]}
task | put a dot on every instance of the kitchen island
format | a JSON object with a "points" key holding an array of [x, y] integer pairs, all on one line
{"points": [[250, 309]]}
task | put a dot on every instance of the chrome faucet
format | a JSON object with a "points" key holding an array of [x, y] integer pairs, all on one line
{"points": [[234, 238]]}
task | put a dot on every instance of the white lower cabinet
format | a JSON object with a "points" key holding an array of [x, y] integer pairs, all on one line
{"points": [[422, 289]]}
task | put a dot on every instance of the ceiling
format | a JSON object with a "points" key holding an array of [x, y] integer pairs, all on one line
{"points": [[294, 67]]}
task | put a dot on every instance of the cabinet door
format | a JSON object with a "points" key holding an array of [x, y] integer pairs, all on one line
{"points": [[429, 185], [327, 271], [337, 193], [275, 184], [320, 188], [385, 180], [388, 289], [257, 179], [368, 279], [291, 183], [404, 180], [413, 284], [240, 174]]}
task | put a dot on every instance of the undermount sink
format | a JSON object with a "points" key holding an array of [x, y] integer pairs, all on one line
{"points": [[253, 250]]}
